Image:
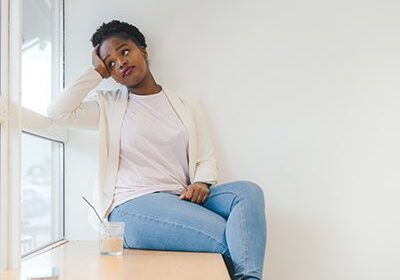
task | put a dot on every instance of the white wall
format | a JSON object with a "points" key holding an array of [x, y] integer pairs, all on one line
{"points": [[302, 98]]}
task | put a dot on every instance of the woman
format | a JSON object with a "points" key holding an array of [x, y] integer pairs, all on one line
{"points": [[157, 169]]}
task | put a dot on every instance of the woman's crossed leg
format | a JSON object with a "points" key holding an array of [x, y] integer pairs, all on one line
{"points": [[231, 222]]}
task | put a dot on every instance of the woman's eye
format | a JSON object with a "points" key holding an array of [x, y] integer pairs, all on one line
{"points": [[125, 52], [111, 64]]}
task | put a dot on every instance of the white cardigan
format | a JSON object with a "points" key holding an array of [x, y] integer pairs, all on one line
{"points": [[105, 113]]}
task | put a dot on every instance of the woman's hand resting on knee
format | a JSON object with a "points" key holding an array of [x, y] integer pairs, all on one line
{"points": [[196, 192]]}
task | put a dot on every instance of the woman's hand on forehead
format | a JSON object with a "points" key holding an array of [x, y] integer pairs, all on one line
{"points": [[98, 63]]}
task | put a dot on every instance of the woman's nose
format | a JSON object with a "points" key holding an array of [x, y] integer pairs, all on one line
{"points": [[122, 62]]}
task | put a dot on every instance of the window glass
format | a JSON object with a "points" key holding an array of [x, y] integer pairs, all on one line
{"points": [[40, 59], [41, 192]]}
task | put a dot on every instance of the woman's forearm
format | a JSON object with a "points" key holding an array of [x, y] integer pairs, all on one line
{"points": [[69, 109]]}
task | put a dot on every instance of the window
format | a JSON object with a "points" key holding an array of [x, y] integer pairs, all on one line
{"points": [[32, 148], [41, 192], [42, 160], [40, 55], [3, 134]]}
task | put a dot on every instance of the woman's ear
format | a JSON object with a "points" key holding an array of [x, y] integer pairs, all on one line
{"points": [[143, 49]]}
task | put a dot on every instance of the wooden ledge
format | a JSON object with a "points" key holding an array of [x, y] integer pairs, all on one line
{"points": [[81, 260]]}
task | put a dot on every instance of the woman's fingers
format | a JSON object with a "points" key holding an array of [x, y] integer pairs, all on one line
{"points": [[96, 50], [204, 198], [95, 56], [183, 194], [195, 194], [201, 197], [98, 63], [189, 194]]}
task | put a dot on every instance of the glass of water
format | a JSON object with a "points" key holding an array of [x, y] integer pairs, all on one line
{"points": [[111, 236]]}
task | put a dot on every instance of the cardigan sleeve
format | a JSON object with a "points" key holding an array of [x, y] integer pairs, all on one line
{"points": [[206, 164], [68, 109]]}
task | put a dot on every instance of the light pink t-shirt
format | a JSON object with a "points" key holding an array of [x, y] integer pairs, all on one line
{"points": [[154, 149]]}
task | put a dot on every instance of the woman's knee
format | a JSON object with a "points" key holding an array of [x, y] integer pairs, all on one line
{"points": [[251, 190]]}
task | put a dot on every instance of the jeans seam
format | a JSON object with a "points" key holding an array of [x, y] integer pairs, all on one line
{"points": [[245, 245], [175, 224], [242, 227]]}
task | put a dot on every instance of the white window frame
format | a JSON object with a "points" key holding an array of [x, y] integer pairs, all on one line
{"points": [[13, 120]]}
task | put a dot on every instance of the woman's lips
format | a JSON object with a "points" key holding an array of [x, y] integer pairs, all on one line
{"points": [[127, 71]]}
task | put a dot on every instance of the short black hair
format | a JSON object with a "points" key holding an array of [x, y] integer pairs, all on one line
{"points": [[116, 28]]}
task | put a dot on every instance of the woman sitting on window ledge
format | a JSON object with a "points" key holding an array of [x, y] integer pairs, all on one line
{"points": [[157, 169]]}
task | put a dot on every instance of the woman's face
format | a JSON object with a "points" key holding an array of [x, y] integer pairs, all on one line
{"points": [[125, 61]]}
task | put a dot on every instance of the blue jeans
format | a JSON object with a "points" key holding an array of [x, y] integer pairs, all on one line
{"points": [[230, 222]]}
